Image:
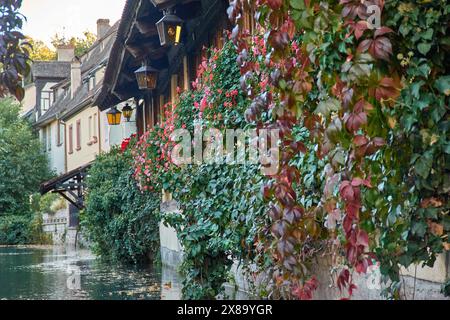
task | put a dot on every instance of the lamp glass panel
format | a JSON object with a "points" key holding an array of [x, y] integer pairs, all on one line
{"points": [[151, 80], [161, 32], [118, 118]]}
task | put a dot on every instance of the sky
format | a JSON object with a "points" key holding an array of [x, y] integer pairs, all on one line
{"points": [[67, 17]]}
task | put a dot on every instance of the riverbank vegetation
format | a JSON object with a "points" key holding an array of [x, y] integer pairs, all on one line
{"points": [[120, 221], [23, 166]]}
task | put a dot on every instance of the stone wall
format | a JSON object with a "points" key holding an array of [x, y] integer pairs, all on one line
{"points": [[56, 225]]}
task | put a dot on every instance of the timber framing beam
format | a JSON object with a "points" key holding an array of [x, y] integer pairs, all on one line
{"points": [[70, 186]]}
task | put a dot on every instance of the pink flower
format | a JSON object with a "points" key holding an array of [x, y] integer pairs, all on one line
{"points": [[203, 104]]}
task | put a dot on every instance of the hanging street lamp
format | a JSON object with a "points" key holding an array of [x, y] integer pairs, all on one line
{"points": [[114, 116], [146, 77], [169, 28], [127, 112]]}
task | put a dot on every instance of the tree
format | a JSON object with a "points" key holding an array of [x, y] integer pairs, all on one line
{"points": [[14, 50], [81, 44], [41, 52], [23, 165]]}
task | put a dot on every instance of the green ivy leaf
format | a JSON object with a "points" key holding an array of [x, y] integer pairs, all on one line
{"points": [[419, 228], [443, 85], [423, 165], [328, 106], [297, 4], [424, 48]]}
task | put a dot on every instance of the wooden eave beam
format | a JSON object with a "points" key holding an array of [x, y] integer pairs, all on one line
{"points": [[147, 27], [164, 4]]}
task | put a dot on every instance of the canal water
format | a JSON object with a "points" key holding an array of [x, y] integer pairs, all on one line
{"points": [[57, 273]]}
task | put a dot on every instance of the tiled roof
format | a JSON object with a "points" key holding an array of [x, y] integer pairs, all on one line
{"points": [[50, 69], [66, 105]]}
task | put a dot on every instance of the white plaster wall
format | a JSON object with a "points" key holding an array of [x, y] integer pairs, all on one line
{"points": [[57, 154], [114, 135], [29, 101]]}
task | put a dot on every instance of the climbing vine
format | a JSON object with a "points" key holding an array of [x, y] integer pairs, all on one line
{"points": [[220, 205], [361, 91]]}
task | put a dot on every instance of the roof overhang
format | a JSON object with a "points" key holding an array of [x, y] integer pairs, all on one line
{"points": [[138, 40]]}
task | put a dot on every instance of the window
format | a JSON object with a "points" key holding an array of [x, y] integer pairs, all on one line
{"points": [[90, 131], [46, 100], [44, 139], [78, 135], [60, 134], [70, 139], [95, 128], [49, 138]]}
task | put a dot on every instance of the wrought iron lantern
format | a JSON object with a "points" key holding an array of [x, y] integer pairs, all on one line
{"points": [[169, 28], [146, 77], [114, 116], [127, 112]]}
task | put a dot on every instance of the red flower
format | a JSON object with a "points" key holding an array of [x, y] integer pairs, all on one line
{"points": [[125, 144]]}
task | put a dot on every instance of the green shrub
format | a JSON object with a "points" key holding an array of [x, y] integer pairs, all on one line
{"points": [[23, 166], [121, 222], [15, 230]]}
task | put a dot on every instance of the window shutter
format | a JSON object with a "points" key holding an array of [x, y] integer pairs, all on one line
{"points": [[71, 139]]}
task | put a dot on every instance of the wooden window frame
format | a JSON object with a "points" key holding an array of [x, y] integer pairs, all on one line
{"points": [[95, 127], [59, 141]]}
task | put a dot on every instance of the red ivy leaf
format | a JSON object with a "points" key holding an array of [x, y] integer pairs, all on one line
{"points": [[362, 105], [346, 191], [381, 31], [360, 140], [343, 279], [364, 45], [360, 27], [274, 4], [354, 121], [362, 239], [381, 48], [386, 89], [356, 182], [351, 288]]}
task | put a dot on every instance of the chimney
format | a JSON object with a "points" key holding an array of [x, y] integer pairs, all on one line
{"points": [[65, 53], [102, 28], [75, 76]]}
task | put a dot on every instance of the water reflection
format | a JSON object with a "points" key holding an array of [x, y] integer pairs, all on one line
{"points": [[60, 273]]}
